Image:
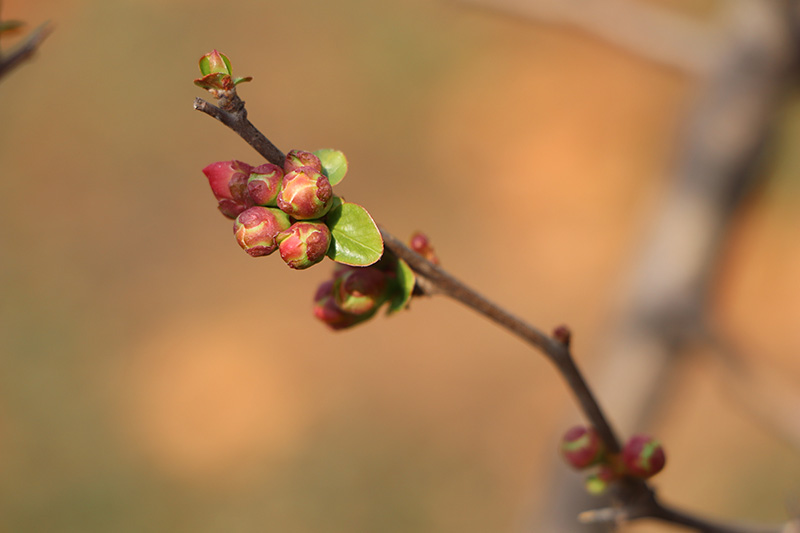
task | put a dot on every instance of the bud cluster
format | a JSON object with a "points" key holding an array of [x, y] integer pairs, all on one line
{"points": [[355, 294], [642, 457], [276, 208]]}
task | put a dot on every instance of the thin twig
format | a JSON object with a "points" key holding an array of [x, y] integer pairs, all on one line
{"points": [[556, 352], [634, 497], [25, 49], [238, 123]]}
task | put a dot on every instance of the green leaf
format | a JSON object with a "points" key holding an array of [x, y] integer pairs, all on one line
{"points": [[405, 286], [334, 164], [356, 239]]}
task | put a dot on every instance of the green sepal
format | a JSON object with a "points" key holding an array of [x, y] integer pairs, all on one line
{"points": [[356, 239], [237, 81], [405, 287], [334, 164]]}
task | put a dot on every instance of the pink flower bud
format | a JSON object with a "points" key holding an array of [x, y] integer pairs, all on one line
{"points": [[422, 245], [643, 456], [361, 290], [581, 447], [326, 310], [228, 181], [264, 184], [304, 244], [306, 194], [257, 227], [297, 159]]}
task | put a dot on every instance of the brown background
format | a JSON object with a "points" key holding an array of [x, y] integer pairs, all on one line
{"points": [[155, 378]]}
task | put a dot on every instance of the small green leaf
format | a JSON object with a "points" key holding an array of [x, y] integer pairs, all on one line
{"points": [[356, 239], [405, 286], [334, 164]]}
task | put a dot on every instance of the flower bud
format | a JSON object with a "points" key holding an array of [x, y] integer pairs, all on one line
{"points": [[257, 227], [581, 447], [228, 181], [304, 244], [326, 310], [215, 63], [217, 72], [598, 482], [360, 290], [563, 335], [422, 245], [264, 184], [306, 194], [643, 456], [298, 159]]}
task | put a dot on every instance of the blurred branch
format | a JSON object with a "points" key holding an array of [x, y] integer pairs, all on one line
{"points": [[25, 49], [719, 159], [634, 498], [642, 29], [762, 391]]}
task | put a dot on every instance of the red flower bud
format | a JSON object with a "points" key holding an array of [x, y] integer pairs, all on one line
{"points": [[563, 335], [257, 227], [306, 194], [264, 184], [228, 181], [361, 290], [304, 244], [422, 245], [643, 456], [326, 310], [297, 159], [581, 447]]}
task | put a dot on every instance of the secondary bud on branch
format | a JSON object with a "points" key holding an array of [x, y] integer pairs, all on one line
{"points": [[304, 244], [306, 194], [360, 290], [563, 335], [581, 447], [422, 245], [264, 184], [228, 181], [643, 456], [257, 227], [326, 310], [297, 159]]}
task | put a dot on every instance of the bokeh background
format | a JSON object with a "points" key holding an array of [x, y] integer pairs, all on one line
{"points": [[155, 378]]}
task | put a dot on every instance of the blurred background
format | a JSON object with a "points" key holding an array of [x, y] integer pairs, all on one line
{"points": [[153, 377]]}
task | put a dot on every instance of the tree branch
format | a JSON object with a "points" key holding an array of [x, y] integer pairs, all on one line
{"points": [[634, 498], [24, 50]]}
